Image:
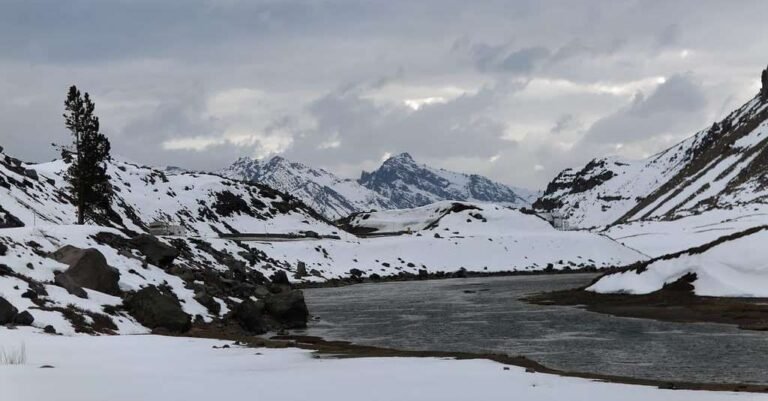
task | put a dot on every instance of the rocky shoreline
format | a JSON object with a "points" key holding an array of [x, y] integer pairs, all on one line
{"points": [[675, 302], [343, 349], [405, 276]]}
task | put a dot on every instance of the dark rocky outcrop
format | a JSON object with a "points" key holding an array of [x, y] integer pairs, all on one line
{"points": [[156, 309], [7, 311], [250, 315], [156, 252], [88, 268], [288, 309], [24, 319], [66, 282]]}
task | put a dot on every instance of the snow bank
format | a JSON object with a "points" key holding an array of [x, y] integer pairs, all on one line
{"points": [[129, 368], [734, 268]]}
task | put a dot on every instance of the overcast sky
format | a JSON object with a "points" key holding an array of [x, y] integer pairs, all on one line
{"points": [[516, 90]]}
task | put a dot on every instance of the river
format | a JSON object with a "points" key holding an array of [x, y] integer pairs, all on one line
{"points": [[486, 315]]}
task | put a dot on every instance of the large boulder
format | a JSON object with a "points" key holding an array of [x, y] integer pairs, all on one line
{"points": [[24, 319], [66, 282], [288, 309], [157, 252], [154, 309], [250, 315], [7, 311], [88, 268]]}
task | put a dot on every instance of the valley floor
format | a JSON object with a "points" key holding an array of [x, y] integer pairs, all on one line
{"points": [[150, 367]]}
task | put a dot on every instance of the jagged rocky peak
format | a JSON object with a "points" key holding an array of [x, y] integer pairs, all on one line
{"points": [[332, 196], [408, 184], [723, 166]]}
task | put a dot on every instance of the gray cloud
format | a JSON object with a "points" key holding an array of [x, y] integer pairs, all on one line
{"points": [[668, 110], [513, 81]]}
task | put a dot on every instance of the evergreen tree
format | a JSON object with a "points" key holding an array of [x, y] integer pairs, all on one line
{"points": [[87, 174]]}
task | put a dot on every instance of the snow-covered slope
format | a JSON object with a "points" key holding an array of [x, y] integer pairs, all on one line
{"points": [[458, 217], [719, 167], [328, 194], [211, 275], [733, 266], [409, 184], [37, 216], [661, 237], [448, 236]]}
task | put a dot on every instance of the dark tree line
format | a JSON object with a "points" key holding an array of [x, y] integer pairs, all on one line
{"points": [[87, 175]]}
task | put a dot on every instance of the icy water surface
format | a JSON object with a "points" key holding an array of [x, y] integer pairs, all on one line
{"points": [[484, 314]]}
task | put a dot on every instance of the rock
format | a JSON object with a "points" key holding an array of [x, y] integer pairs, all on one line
{"points": [[88, 268], [157, 252], [280, 278], [155, 309], [31, 173], [66, 282], [206, 300], [49, 329], [24, 319], [288, 309], [7, 311], [250, 315], [301, 270], [261, 291], [3, 249]]}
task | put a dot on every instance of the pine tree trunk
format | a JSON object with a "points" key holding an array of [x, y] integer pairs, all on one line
{"points": [[79, 189]]}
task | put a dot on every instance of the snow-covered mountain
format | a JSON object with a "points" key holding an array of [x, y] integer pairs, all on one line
{"points": [[408, 184], [399, 183], [721, 167], [209, 276], [330, 195]]}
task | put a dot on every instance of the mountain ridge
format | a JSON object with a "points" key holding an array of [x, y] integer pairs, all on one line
{"points": [[399, 183], [720, 167]]}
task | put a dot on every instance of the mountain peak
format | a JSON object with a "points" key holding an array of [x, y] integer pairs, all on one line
{"points": [[404, 157], [410, 184]]}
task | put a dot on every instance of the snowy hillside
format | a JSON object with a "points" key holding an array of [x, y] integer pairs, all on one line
{"points": [[720, 167], [409, 184], [207, 276], [330, 195], [491, 219], [729, 267], [661, 237], [450, 235]]}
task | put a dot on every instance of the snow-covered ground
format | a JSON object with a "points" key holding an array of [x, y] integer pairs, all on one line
{"points": [[661, 237], [735, 268], [148, 368], [442, 237]]}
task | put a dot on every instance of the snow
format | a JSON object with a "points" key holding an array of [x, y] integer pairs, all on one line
{"points": [[148, 367], [485, 237], [684, 179], [660, 237], [735, 268]]}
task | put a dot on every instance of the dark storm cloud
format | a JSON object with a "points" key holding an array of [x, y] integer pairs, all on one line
{"points": [[667, 110]]}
